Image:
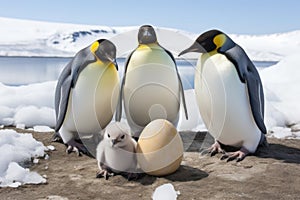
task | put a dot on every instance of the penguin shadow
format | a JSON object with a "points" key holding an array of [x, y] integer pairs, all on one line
{"points": [[196, 141], [145, 179], [281, 152], [186, 173], [183, 174]]}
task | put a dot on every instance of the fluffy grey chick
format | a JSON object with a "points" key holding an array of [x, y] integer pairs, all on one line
{"points": [[116, 152]]}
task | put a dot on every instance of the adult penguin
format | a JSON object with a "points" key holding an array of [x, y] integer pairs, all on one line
{"points": [[229, 94], [151, 86], [87, 94]]}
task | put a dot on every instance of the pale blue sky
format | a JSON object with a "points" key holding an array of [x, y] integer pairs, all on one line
{"points": [[232, 16]]}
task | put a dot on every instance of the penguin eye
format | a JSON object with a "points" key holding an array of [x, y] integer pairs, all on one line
{"points": [[108, 135], [122, 137]]}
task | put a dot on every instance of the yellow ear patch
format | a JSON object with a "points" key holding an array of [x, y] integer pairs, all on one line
{"points": [[219, 40], [94, 46]]}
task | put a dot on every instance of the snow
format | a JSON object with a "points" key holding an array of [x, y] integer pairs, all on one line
{"points": [[27, 105], [194, 122], [165, 192], [51, 147], [280, 132], [269, 47], [17, 149], [43, 129], [281, 83], [35, 38], [32, 115], [32, 105]]}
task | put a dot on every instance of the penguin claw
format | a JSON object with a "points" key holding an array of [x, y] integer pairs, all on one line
{"points": [[238, 155], [104, 174], [71, 149], [56, 138], [214, 149], [76, 147]]}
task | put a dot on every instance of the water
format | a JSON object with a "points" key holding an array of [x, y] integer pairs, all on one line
{"points": [[26, 70]]}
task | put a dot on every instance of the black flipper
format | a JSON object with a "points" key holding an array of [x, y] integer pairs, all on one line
{"points": [[67, 80], [180, 83], [248, 74], [119, 105], [65, 90], [256, 97], [63, 76], [81, 60]]}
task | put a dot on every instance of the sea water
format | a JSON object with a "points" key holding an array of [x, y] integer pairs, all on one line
{"points": [[26, 70]]}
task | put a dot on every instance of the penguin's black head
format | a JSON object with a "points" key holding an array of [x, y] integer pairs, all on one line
{"points": [[146, 35], [105, 50], [210, 41]]}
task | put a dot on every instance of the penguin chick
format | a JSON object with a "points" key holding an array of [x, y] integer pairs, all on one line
{"points": [[116, 152]]}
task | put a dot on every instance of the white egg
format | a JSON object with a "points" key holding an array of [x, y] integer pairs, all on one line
{"points": [[160, 148]]}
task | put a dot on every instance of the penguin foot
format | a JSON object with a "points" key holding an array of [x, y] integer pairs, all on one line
{"points": [[104, 174], [238, 155], [130, 176], [56, 138], [76, 147], [214, 149]]}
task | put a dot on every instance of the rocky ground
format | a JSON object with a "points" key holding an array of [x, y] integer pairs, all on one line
{"points": [[273, 173]]}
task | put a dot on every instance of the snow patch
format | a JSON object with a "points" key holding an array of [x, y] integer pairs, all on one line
{"points": [[165, 192], [28, 105], [281, 83], [17, 149], [35, 38], [42, 129]]}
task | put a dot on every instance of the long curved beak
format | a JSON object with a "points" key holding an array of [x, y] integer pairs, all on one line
{"points": [[194, 48]]}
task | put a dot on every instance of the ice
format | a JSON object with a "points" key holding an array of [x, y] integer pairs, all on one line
{"points": [[27, 105], [31, 115], [6, 115], [15, 149], [165, 192], [280, 132], [42, 129], [33, 105], [281, 84], [16, 173], [35, 38], [51, 147], [194, 118]]}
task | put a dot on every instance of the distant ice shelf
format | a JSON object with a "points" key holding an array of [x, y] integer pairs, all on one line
{"points": [[34, 38]]}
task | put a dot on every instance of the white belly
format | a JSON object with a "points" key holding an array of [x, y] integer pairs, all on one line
{"points": [[151, 90], [119, 160], [223, 103], [93, 100]]}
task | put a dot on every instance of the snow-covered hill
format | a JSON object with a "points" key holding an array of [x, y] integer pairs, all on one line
{"points": [[35, 38]]}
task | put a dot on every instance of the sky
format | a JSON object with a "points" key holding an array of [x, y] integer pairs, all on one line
{"points": [[231, 16]]}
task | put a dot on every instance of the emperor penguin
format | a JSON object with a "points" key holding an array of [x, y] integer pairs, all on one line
{"points": [[116, 152], [229, 94], [151, 87], [87, 94]]}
